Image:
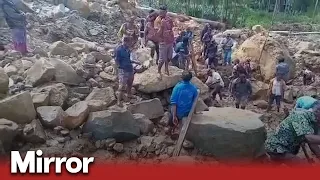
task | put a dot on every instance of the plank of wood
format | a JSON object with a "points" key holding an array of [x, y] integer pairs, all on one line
{"points": [[185, 127]]}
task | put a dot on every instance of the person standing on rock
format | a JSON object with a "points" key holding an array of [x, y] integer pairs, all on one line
{"points": [[207, 38], [125, 68], [182, 50], [164, 24], [211, 53], [17, 22], [305, 103], [247, 67], [215, 82], [276, 90], [131, 30], [182, 98], [142, 27], [227, 45], [150, 35], [297, 128], [203, 32], [282, 69], [241, 90]]}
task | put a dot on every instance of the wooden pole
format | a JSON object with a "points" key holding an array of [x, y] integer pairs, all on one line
{"points": [[185, 127], [315, 10]]}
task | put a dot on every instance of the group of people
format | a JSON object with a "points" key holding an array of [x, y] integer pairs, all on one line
{"points": [[210, 47], [16, 20]]}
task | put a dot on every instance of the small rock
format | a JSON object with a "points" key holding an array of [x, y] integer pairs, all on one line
{"points": [[8, 131], [118, 147], [187, 145], [61, 48], [165, 119], [261, 104], [58, 129], [76, 115], [109, 143], [144, 123], [62, 139], [52, 143], [51, 116], [40, 99], [65, 132], [98, 144], [34, 132]]}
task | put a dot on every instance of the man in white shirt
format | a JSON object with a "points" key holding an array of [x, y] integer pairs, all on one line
{"points": [[215, 82], [276, 92]]}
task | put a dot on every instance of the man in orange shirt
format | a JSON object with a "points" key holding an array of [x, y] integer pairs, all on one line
{"points": [[164, 25]]}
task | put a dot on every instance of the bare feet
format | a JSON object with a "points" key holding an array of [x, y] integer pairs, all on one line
{"points": [[167, 72], [160, 76]]}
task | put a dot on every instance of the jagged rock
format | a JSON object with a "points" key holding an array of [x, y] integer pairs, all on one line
{"points": [[76, 115], [148, 81], [34, 132], [8, 131], [97, 105], [152, 108], [105, 95], [51, 116], [4, 82], [107, 77], [40, 52], [288, 95], [118, 124], [144, 123], [201, 106], [18, 108], [262, 104], [10, 70], [80, 47], [187, 144], [26, 64], [65, 73], [40, 99], [82, 6], [41, 72], [165, 119], [101, 56], [91, 45], [259, 90], [62, 49], [215, 131], [89, 59], [58, 93], [118, 147]]}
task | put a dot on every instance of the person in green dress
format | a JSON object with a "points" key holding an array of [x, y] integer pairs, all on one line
{"points": [[297, 128]]}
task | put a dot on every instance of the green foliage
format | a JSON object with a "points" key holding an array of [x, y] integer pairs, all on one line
{"points": [[245, 13]]}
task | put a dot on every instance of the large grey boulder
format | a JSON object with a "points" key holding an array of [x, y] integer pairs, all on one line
{"points": [[151, 108], [116, 123], [8, 130], [41, 72], [18, 108], [149, 82], [228, 133], [100, 99]]}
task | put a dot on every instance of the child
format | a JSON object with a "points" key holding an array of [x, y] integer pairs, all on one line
{"points": [[182, 49]]}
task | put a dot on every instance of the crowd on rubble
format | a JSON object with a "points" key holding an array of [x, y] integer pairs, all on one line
{"points": [[156, 32]]}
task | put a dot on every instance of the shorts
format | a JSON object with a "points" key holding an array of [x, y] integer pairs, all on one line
{"points": [[275, 97], [242, 100], [125, 78], [165, 52]]}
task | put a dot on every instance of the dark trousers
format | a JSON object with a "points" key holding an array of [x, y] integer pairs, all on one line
{"points": [[306, 79], [216, 90], [275, 97], [155, 50]]}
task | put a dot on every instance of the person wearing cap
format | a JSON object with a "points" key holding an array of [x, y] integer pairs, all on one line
{"points": [[241, 90], [182, 50], [182, 98], [227, 45], [165, 25], [297, 128], [305, 103], [125, 68], [282, 69]]}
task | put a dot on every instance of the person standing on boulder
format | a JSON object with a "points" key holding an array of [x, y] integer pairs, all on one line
{"points": [[17, 22], [183, 95], [297, 128], [276, 92], [131, 30], [305, 103], [227, 45], [282, 69], [164, 24], [203, 32], [211, 53], [150, 35], [182, 50], [207, 38], [308, 77], [241, 90], [125, 68]]}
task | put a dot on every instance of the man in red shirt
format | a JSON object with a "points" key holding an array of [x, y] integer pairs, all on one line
{"points": [[164, 24]]}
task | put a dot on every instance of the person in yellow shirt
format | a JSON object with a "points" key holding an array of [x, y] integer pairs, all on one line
{"points": [[129, 29]]}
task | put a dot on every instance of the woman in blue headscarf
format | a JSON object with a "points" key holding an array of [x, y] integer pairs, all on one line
{"points": [[16, 21]]}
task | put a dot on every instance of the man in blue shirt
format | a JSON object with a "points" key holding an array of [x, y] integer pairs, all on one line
{"points": [[182, 98], [182, 50], [305, 102], [125, 68], [282, 69]]}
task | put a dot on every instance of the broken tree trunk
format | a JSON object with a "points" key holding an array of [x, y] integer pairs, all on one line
{"points": [[214, 24], [185, 127], [286, 33]]}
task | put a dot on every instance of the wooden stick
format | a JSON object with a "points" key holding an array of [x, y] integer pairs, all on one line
{"points": [[185, 127], [310, 160]]}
